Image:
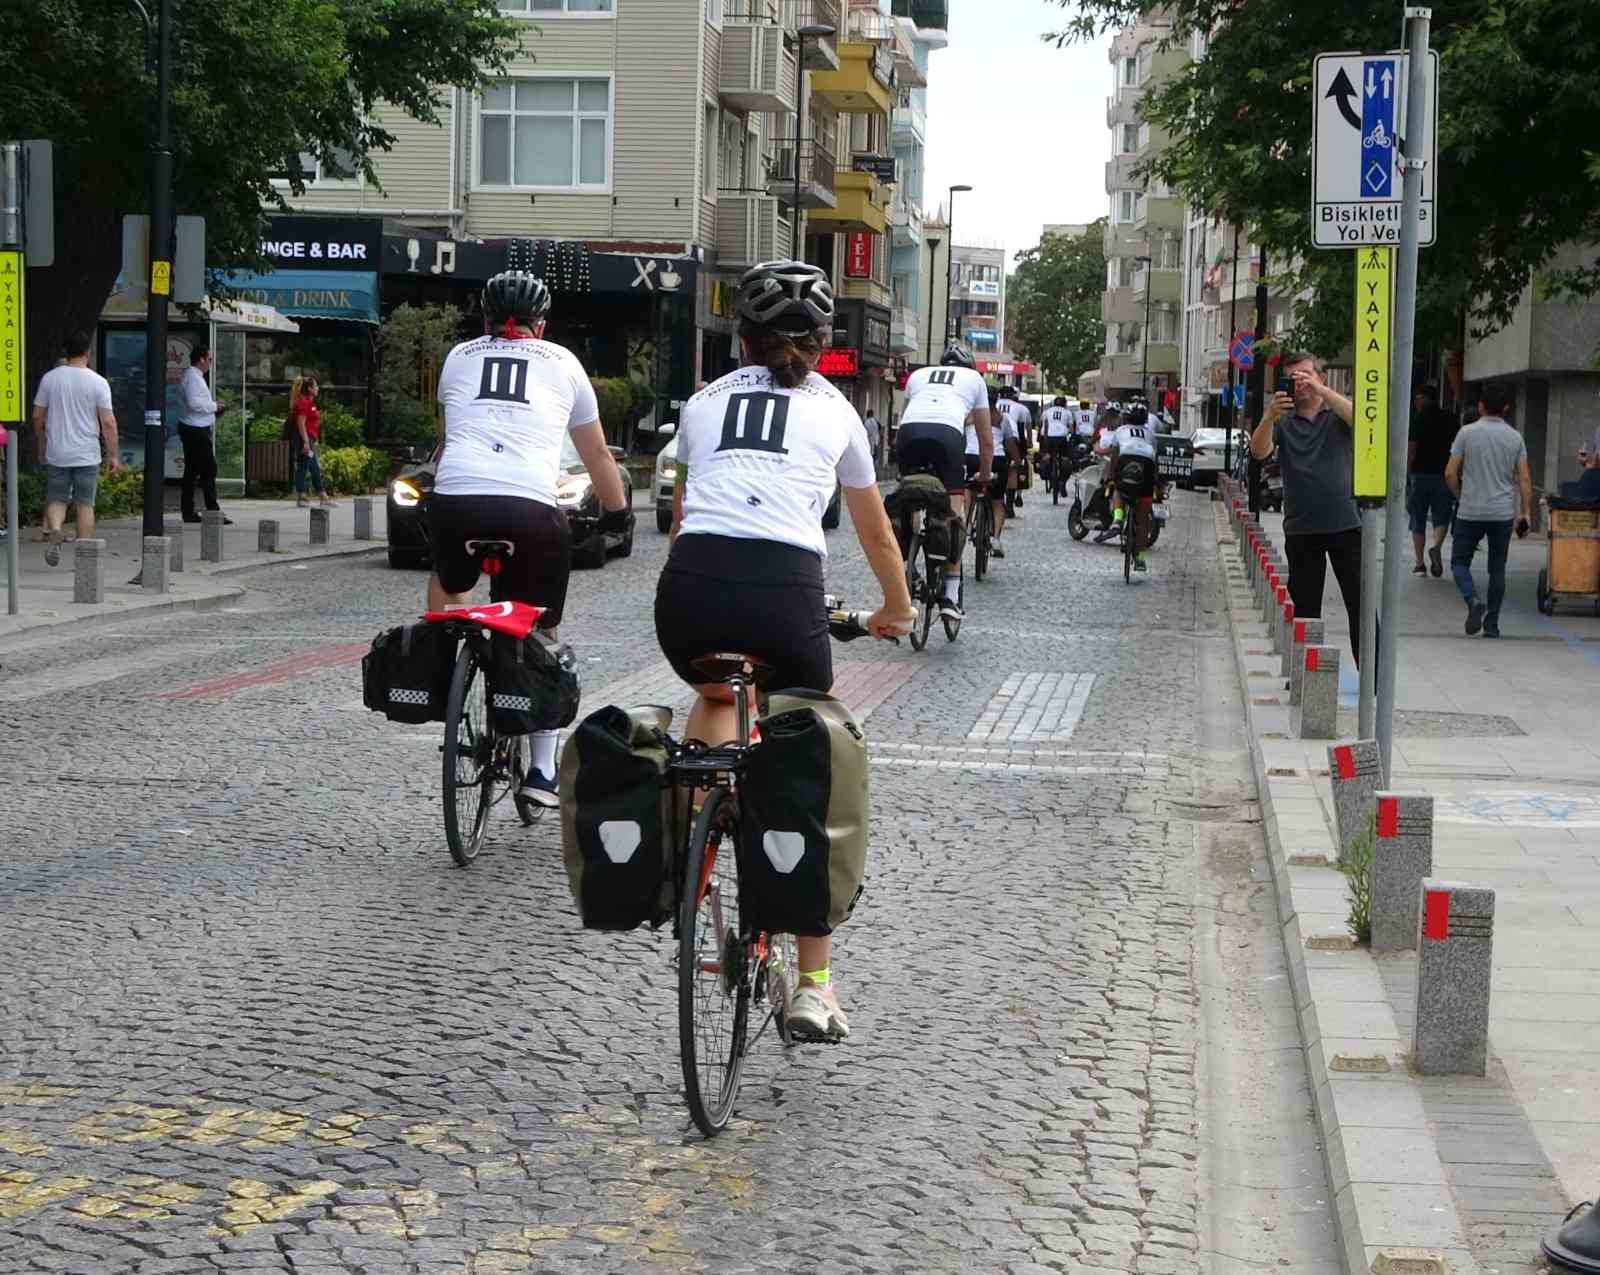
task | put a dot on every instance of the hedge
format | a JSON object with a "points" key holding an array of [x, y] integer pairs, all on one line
{"points": [[352, 471], [119, 495]]}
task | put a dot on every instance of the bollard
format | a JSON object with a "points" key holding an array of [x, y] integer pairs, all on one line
{"points": [[153, 566], [174, 532], [1455, 956], [89, 572], [1306, 633], [1402, 856], [267, 536], [363, 508], [1317, 714], [1285, 634], [319, 525], [211, 536], [1354, 773]]}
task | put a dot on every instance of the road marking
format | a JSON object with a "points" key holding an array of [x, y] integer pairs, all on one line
{"points": [[861, 684], [280, 671], [1521, 809], [57, 679], [1035, 708], [1032, 750], [1010, 768]]}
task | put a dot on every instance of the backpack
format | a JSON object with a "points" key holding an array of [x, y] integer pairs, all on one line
{"points": [[406, 674], [618, 816], [530, 687], [927, 493], [803, 811]]}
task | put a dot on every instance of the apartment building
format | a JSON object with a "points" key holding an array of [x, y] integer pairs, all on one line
{"points": [[924, 23]]}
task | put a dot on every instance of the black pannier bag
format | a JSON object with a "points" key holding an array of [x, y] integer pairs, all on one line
{"points": [[927, 493], [617, 817], [803, 811], [406, 674], [531, 687]]}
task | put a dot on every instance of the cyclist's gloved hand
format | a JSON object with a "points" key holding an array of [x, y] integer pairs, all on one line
{"points": [[613, 520]]}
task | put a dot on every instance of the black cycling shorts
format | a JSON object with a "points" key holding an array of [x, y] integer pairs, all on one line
{"points": [[536, 573], [724, 595], [997, 475], [934, 448], [1130, 485]]}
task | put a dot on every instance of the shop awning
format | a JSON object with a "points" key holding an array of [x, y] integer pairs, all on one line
{"points": [[312, 294], [250, 315]]}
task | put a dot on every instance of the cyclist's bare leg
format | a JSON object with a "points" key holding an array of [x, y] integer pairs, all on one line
{"points": [[958, 541], [438, 599], [714, 719]]}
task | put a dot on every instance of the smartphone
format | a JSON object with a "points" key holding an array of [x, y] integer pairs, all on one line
{"points": [[1286, 385]]}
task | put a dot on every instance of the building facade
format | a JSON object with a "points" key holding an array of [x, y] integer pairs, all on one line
{"points": [[924, 23]]}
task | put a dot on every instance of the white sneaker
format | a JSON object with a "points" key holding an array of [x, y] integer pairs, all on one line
{"points": [[814, 1014]]}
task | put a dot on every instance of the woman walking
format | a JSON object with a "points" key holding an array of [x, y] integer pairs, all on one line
{"points": [[307, 431]]}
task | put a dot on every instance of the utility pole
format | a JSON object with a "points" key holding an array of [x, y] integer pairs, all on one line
{"points": [[1233, 326], [933, 260], [1258, 380], [13, 384], [160, 281]]}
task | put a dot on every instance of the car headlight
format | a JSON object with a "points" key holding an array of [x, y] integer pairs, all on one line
{"points": [[405, 493], [573, 490], [666, 466]]}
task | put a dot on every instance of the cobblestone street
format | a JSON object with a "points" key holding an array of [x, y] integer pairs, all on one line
{"points": [[252, 1018]]}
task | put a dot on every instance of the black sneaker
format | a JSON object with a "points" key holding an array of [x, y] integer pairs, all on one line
{"points": [[951, 610], [1435, 562], [995, 551], [1110, 533], [1019, 500], [1491, 626], [1475, 614], [539, 788], [1419, 570]]}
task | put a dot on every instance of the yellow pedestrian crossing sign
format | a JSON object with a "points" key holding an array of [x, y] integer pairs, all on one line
{"points": [[13, 326], [1374, 306]]}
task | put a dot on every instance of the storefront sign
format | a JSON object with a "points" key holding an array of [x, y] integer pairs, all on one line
{"points": [[983, 288], [980, 336], [1001, 368], [323, 243], [312, 294], [845, 363], [880, 166], [858, 255]]}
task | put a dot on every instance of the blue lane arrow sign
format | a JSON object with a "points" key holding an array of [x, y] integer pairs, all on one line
{"points": [[1377, 130]]}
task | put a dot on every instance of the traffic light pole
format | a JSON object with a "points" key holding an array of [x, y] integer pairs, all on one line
{"points": [[160, 281]]}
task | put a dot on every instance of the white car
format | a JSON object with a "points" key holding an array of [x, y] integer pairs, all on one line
{"points": [[665, 478], [1208, 451]]}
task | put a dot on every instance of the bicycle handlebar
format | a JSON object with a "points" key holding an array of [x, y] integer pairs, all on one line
{"points": [[847, 626]]}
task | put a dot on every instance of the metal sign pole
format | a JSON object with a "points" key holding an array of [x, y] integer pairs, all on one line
{"points": [[1417, 100], [13, 362], [1373, 346]]}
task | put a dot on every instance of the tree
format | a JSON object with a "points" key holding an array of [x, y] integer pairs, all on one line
{"points": [[1519, 93], [254, 86], [1054, 299]]}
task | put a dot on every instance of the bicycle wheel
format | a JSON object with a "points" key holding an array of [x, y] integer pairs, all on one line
{"points": [[914, 586], [713, 983], [1129, 537], [468, 758], [982, 521]]}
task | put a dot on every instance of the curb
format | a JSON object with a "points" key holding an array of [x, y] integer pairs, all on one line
{"points": [[1379, 1151]]}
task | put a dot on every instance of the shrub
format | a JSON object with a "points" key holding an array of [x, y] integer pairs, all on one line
{"points": [[119, 495], [412, 345], [617, 397], [1357, 869], [341, 427], [352, 471]]}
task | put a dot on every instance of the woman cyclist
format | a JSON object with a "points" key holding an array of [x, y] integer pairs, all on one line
{"points": [[508, 398], [758, 454]]}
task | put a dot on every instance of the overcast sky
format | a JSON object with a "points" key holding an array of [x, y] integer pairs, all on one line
{"points": [[1020, 121]]}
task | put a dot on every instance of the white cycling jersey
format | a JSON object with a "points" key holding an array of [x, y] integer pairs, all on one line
{"points": [[1017, 413], [1002, 427], [943, 396], [1134, 440], [1058, 422], [1085, 422], [760, 461], [507, 405]]}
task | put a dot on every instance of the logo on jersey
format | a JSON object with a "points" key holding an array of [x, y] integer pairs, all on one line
{"points": [[942, 378], [504, 380], [755, 422]]}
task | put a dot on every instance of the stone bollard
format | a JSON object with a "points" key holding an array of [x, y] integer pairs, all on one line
{"points": [[89, 572], [1354, 773], [1316, 716], [267, 536], [363, 509], [1282, 621], [1289, 631], [174, 532], [1455, 957], [211, 529], [319, 525], [1402, 856], [153, 568], [1306, 633]]}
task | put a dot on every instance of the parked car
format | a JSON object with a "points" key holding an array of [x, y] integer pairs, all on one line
{"points": [[575, 495], [665, 478], [1209, 447]]}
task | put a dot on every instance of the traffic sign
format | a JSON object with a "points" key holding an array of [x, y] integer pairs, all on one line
{"points": [[1357, 146], [13, 365], [1374, 284], [1241, 352]]}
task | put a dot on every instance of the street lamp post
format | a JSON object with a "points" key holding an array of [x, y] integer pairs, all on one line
{"points": [[811, 31], [933, 258], [950, 266], [1144, 353]]}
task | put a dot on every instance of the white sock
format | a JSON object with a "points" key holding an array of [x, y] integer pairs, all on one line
{"points": [[542, 751], [952, 588]]}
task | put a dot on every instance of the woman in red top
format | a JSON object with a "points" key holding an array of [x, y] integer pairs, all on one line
{"points": [[307, 431]]}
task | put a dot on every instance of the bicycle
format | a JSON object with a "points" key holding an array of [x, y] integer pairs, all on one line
{"points": [[726, 966], [980, 526], [926, 586], [1139, 507]]}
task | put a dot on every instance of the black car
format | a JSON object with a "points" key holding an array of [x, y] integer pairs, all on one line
{"points": [[575, 495]]}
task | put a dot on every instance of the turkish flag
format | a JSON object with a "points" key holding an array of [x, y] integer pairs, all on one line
{"points": [[515, 619]]}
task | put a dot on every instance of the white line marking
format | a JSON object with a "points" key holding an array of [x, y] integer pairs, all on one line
{"points": [[1035, 708]]}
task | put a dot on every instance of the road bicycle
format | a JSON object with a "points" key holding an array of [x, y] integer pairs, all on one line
{"points": [[729, 969], [980, 527], [925, 575]]}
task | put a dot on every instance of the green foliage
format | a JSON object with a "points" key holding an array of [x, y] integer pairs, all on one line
{"points": [[1357, 869], [1519, 93], [352, 471], [1054, 303], [266, 427], [619, 398], [412, 345], [340, 426], [30, 496], [119, 495]]}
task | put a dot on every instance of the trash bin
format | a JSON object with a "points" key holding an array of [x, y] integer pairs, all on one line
{"points": [[1573, 566]]}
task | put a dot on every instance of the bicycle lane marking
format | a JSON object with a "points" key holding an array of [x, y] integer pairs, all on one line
{"points": [[268, 674]]}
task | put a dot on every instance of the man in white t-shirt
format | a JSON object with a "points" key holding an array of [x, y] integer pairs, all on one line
{"points": [[1134, 440], [71, 413]]}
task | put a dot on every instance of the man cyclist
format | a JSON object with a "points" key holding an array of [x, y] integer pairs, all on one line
{"points": [[759, 451], [1002, 438], [1021, 419], [508, 399], [1057, 424], [942, 404], [1133, 443]]}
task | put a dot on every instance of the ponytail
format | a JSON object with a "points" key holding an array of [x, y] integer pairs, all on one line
{"points": [[788, 357], [297, 390]]}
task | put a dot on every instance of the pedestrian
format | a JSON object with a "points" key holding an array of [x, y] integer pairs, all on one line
{"points": [[1433, 430], [1488, 471], [1310, 428], [197, 419], [71, 414], [307, 439], [874, 435]]}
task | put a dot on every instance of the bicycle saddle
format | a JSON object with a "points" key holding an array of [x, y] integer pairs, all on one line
{"points": [[723, 666], [501, 548]]}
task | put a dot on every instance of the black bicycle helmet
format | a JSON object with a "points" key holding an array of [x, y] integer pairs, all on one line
{"points": [[788, 296], [958, 355], [516, 295], [1059, 401]]}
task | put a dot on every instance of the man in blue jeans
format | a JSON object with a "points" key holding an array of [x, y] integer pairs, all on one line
{"points": [[1433, 430], [1488, 470]]}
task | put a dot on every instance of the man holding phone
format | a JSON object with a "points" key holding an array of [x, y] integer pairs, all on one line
{"points": [[1488, 470], [1309, 424]]}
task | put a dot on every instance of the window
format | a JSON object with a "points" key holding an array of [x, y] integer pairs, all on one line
{"points": [[1130, 138], [709, 177], [555, 6], [731, 146], [1125, 205], [714, 12], [545, 133], [342, 165], [1130, 70]]}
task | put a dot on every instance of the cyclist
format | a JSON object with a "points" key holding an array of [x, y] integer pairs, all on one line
{"points": [[1003, 436], [507, 399], [1134, 438], [1016, 411], [941, 404], [1057, 424], [758, 454]]}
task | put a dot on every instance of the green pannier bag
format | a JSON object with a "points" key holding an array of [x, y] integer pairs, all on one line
{"points": [[803, 812], [616, 817]]}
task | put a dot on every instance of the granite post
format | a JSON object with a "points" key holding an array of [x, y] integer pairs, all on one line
{"points": [[267, 536], [1287, 648], [1316, 716], [1402, 856], [1455, 958], [89, 572], [154, 564], [1355, 774], [363, 511], [319, 525], [174, 532], [1306, 633], [211, 534]]}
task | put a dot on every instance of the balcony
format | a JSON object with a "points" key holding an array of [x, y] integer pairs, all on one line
{"points": [[868, 290], [1157, 212], [1119, 173], [904, 337], [910, 124], [1117, 306], [1163, 358], [906, 221], [792, 15], [1159, 287], [750, 229], [863, 82], [928, 14], [861, 204], [817, 166], [906, 71], [757, 71]]}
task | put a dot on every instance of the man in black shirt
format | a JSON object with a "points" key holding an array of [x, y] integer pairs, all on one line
{"points": [[1432, 431]]}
